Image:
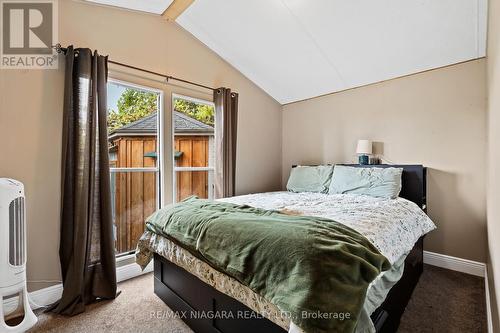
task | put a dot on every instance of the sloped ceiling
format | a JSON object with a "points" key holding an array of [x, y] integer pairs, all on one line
{"points": [[298, 49], [150, 6]]}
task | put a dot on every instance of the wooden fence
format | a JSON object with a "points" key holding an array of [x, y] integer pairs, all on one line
{"points": [[194, 154], [135, 192], [135, 196]]}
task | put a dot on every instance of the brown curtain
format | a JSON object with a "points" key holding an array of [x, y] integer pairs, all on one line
{"points": [[86, 248], [226, 124]]}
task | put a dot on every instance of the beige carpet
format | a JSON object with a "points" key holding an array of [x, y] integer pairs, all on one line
{"points": [[444, 301]]}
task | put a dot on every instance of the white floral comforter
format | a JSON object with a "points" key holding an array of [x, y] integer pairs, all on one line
{"points": [[391, 225]]}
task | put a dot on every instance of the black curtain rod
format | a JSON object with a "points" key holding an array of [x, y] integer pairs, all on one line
{"points": [[63, 50]]}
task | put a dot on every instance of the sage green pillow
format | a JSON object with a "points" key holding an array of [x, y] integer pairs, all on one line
{"points": [[376, 182], [310, 179]]}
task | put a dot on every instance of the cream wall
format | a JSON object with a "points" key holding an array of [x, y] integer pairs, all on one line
{"points": [[436, 118], [31, 113], [493, 61]]}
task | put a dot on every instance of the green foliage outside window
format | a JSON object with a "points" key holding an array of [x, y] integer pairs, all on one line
{"points": [[202, 112], [132, 106], [136, 104]]}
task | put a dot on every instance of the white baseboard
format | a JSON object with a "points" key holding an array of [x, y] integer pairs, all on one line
{"points": [[454, 263], [489, 319], [464, 266], [43, 297], [46, 296], [131, 271]]}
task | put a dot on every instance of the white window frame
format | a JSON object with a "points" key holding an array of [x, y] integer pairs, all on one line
{"points": [[210, 169], [159, 148]]}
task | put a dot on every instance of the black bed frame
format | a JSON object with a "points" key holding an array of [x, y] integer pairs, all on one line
{"points": [[194, 300]]}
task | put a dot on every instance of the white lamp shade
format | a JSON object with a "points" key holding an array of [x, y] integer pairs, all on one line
{"points": [[364, 147]]}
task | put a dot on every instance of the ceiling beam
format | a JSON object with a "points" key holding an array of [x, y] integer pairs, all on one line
{"points": [[176, 8]]}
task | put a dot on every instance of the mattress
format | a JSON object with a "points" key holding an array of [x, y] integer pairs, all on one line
{"points": [[391, 225]]}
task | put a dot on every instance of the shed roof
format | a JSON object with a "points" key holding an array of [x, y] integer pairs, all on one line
{"points": [[147, 125]]}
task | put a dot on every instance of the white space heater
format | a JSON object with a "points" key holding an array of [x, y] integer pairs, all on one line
{"points": [[13, 254]]}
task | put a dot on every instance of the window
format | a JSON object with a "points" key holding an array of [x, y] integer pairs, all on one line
{"points": [[134, 158], [194, 151]]}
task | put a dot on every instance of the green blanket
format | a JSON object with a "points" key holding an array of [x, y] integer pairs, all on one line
{"points": [[315, 270]]}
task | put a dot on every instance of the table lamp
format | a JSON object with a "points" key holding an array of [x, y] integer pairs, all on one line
{"points": [[364, 149]]}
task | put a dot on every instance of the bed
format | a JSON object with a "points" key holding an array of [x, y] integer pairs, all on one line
{"points": [[204, 297]]}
